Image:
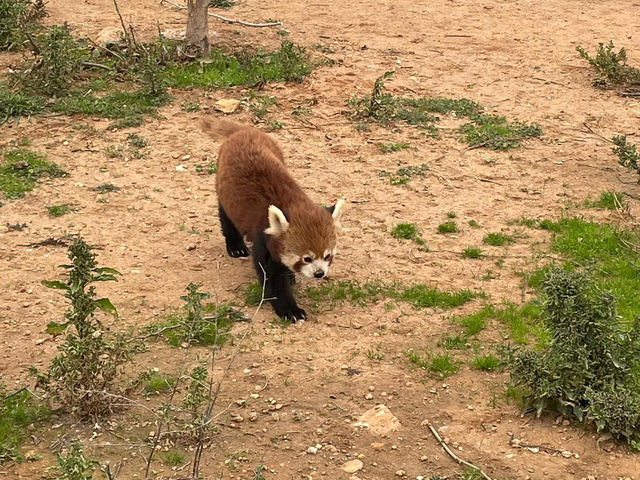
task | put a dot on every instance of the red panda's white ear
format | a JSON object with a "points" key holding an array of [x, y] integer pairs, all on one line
{"points": [[278, 223], [338, 209]]}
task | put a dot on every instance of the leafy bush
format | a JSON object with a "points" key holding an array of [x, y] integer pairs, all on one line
{"points": [[56, 64], [19, 18], [81, 378], [628, 155], [74, 465], [22, 168], [590, 367], [611, 66], [496, 132]]}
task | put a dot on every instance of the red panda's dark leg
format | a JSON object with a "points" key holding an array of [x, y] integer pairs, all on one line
{"points": [[277, 286], [235, 243]]}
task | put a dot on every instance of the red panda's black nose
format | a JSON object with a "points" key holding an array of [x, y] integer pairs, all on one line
{"points": [[319, 274]]}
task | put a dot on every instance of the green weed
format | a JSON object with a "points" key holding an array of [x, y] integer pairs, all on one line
{"points": [[14, 105], [453, 342], [155, 382], [607, 200], [472, 252], [404, 174], [209, 168], [392, 147], [628, 155], [408, 231], [18, 20], [474, 224], [497, 239], [474, 323], [74, 465], [487, 363], [444, 365], [448, 227], [21, 170], [611, 67], [222, 3], [18, 411], [493, 131], [58, 210], [173, 458], [451, 214], [106, 188], [191, 106], [137, 141]]}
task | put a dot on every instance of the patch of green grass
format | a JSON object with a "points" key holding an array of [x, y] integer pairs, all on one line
{"points": [[128, 107], [253, 294], [21, 170], [493, 131], [407, 231], [607, 200], [14, 105], [487, 363], [17, 412], [472, 252], [391, 147], [474, 224], [611, 67], [156, 383], [417, 295], [444, 365], [58, 210], [451, 214], [404, 174], [453, 342], [475, 322], [173, 458], [470, 473], [448, 227], [190, 106], [209, 168], [137, 141], [523, 322], [497, 239], [289, 63], [627, 153]]}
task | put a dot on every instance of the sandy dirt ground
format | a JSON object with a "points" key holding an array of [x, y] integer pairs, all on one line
{"points": [[161, 231]]}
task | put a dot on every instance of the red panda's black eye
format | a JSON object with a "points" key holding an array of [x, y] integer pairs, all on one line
{"points": [[307, 259]]}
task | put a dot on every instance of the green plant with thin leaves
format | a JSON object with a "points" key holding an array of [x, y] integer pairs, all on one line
{"points": [[21, 170], [58, 210], [81, 378], [448, 227], [611, 67], [74, 465], [15, 104], [472, 252], [19, 19], [390, 147], [497, 239], [628, 155], [607, 200], [404, 174], [495, 132], [590, 368]]}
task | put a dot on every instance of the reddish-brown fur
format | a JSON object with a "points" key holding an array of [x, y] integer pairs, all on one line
{"points": [[251, 176]]}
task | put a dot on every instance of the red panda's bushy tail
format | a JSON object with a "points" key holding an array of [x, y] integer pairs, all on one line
{"points": [[219, 128]]}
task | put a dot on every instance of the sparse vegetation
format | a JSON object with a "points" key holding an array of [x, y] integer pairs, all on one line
{"points": [[443, 365], [73, 464], [106, 188], [487, 363], [173, 458], [391, 147], [628, 155], [58, 210], [208, 168], [448, 227], [611, 67], [495, 132], [408, 231], [607, 200], [137, 141], [404, 174], [18, 410], [192, 327], [472, 252], [191, 106], [21, 170], [589, 369], [222, 3], [155, 382], [19, 19], [14, 105], [497, 239]]}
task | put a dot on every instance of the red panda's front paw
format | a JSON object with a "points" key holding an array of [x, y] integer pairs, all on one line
{"points": [[293, 314]]}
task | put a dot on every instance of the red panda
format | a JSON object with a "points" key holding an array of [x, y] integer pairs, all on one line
{"points": [[259, 200]]}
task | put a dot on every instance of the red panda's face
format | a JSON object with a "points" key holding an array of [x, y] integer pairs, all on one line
{"points": [[307, 245]]}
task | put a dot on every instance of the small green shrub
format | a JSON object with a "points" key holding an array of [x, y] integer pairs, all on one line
{"points": [[137, 141], [19, 18], [444, 365], [191, 107], [14, 105], [589, 370], [477, 321], [407, 231], [487, 363], [493, 131], [451, 214], [74, 465], [192, 327], [453, 342], [21, 170], [497, 239], [106, 188], [404, 174], [472, 252], [628, 155], [391, 147], [18, 411], [611, 67], [209, 168], [448, 227]]}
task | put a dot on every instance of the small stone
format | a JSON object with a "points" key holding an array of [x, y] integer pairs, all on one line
{"points": [[400, 473], [352, 466], [331, 449], [377, 445], [190, 248], [566, 454], [65, 143], [180, 168], [368, 396], [40, 341], [424, 458], [312, 450], [371, 388], [227, 105]]}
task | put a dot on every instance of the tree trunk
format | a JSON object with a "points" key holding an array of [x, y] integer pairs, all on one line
{"points": [[197, 35]]}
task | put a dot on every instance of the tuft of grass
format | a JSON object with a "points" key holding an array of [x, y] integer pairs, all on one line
{"points": [[487, 363], [474, 224], [173, 458], [607, 200], [611, 67], [453, 342], [289, 63], [472, 252], [14, 105], [448, 227], [404, 174], [407, 231], [191, 106], [58, 210], [156, 383], [628, 155], [259, 104], [137, 141], [444, 365], [391, 147], [474, 323], [495, 132], [451, 214], [21, 170], [18, 411], [497, 239], [523, 322], [106, 188]]}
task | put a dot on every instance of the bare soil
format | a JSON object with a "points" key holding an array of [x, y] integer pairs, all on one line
{"points": [[161, 230]]}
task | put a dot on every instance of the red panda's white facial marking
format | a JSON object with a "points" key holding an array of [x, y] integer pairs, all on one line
{"points": [[317, 267]]}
